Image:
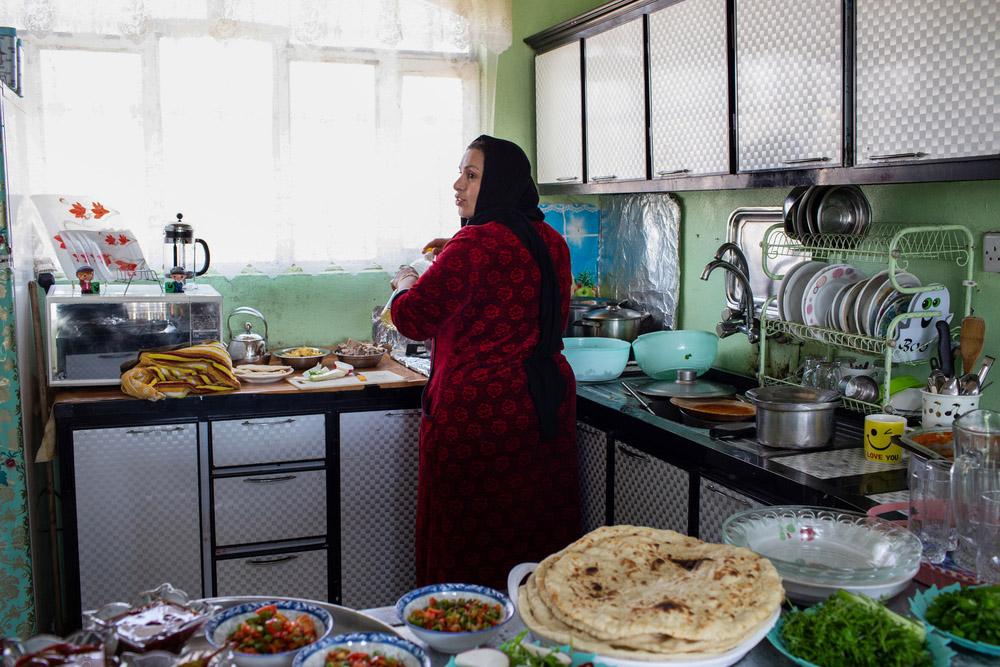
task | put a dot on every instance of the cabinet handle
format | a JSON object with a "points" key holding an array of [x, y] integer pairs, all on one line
{"points": [[718, 491], [603, 178], [268, 480], [673, 172], [633, 455], [168, 429], [897, 156], [567, 178], [277, 423], [119, 355], [410, 413], [271, 561], [806, 160]]}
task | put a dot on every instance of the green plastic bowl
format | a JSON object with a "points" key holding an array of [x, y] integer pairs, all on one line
{"points": [[661, 354], [595, 359]]}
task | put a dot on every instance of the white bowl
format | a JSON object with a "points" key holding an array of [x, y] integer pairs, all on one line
{"points": [[223, 624], [391, 646], [453, 642]]}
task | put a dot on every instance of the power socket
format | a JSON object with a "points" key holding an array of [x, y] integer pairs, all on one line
{"points": [[991, 252]]}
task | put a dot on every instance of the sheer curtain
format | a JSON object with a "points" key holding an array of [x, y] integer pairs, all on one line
{"points": [[309, 135]]}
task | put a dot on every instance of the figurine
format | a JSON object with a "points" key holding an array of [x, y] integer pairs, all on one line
{"points": [[85, 274], [176, 283]]}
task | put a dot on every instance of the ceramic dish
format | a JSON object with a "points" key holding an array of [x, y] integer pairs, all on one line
{"points": [[835, 321], [453, 642], [821, 289], [262, 378], [782, 289], [796, 289], [223, 624], [883, 296], [818, 550], [389, 646], [937, 646], [102, 642], [919, 604], [915, 337], [864, 300], [897, 306], [847, 318]]}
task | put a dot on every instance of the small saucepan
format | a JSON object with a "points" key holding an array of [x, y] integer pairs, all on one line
{"points": [[612, 321]]}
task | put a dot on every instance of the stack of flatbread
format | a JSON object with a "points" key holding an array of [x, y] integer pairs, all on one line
{"points": [[262, 372], [646, 594]]}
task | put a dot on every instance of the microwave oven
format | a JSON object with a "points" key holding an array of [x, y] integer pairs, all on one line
{"points": [[89, 336]]}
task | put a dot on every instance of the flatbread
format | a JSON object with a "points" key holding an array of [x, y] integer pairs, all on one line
{"points": [[626, 581]]}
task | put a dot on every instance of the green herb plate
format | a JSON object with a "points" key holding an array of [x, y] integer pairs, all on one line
{"points": [[922, 600], [937, 645]]}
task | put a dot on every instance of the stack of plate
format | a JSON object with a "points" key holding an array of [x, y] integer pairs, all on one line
{"points": [[826, 209]]}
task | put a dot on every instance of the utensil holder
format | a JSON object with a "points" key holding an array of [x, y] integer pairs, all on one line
{"points": [[940, 410]]}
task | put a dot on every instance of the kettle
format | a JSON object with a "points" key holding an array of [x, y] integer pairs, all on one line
{"points": [[247, 347]]}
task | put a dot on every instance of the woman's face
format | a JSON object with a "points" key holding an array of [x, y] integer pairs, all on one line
{"points": [[467, 186]]}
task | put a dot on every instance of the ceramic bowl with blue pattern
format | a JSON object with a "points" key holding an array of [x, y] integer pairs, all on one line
{"points": [[453, 642], [389, 646], [223, 624]]}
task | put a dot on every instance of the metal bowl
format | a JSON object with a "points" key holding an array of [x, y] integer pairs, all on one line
{"points": [[361, 360], [300, 363], [843, 210]]}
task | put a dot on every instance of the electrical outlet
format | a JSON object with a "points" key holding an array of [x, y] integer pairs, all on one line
{"points": [[991, 252]]}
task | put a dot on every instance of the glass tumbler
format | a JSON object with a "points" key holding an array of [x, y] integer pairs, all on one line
{"points": [[976, 472], [988, 539], [930, 507]]}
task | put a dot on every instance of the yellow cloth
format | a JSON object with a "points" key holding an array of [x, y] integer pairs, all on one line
{"points": [[200, 369]]}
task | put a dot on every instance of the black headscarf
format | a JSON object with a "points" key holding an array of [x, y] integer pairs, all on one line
{"points": [[507, 195]]}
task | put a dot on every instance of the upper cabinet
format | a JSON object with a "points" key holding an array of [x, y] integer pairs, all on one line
{"points": [[789, 84], [614, 71], [928, 80], [688, 89], [559, 115]]}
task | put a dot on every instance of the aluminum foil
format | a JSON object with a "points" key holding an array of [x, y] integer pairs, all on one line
{"points": [[640, 254]]}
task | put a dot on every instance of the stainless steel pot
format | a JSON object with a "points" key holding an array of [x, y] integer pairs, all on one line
{"points": [[794, 417], [613, 321], [578, 307]]}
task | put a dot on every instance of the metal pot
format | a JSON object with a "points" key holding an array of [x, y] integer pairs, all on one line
{"points": [[794, 417], [247, 347], [613, 321], [578, 307]]}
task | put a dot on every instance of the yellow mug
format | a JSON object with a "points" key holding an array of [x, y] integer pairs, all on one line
{"points": [[879, 431]]}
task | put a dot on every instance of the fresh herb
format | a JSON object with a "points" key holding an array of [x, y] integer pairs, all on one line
{"points": [[970, 613], [850, 630], [519, 655]]}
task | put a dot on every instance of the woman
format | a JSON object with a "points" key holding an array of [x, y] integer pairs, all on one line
{"points": [[498, 468]]}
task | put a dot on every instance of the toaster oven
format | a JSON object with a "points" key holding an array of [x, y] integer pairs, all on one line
{"points": [[89, 336]]}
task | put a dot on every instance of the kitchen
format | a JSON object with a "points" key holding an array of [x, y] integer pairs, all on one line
{"points": [[321, 308]]}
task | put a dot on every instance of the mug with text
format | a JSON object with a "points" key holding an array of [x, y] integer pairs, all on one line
{"points": [[878, 435]]}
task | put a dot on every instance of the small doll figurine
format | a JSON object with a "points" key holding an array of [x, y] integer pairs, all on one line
{"points": [[85, 274], [176, 283]]}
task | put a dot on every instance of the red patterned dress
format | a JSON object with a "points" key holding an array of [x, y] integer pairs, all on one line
{"points": [[491, 494]]}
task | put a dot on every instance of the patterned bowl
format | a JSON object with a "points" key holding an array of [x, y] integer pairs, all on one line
{"points": [[390, 646], [223, 624], [453, 642]]}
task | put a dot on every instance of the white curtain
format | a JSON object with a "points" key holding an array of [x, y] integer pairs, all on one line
{"points": [[309, 135]]}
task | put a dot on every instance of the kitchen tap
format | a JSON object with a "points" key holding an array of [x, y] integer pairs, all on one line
{"points": [[738, 256], [748, 324]]}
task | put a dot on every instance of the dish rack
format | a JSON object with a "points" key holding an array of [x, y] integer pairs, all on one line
{"points": [[896, 245]]}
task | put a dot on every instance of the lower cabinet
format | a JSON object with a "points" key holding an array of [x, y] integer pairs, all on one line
{"points": [[716, 504], [137, 511], [378, 505], [301, 574], [592, 449], [303, 490], [648, 491]]}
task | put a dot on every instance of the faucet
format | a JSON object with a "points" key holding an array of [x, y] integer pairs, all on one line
{"points": [[746, 324]]}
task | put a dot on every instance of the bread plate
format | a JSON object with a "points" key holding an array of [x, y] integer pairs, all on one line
{"points": [[261, 374]]}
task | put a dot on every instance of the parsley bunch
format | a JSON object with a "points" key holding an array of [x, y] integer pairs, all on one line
{"points": [[970, 613]]}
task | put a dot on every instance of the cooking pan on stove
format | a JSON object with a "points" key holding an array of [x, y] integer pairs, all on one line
{"points": [[716, 409]]}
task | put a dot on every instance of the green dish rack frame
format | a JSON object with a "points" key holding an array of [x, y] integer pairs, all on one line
{"points": [[895, 244]]}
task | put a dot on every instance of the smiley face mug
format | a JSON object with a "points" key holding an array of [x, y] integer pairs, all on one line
{"points": [[878, 434]]}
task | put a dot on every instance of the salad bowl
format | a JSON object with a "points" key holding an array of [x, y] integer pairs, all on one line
{"points": [[389, 646], [453, 642], [222, 625]]}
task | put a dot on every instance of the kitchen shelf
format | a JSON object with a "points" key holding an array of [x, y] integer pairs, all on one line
{"points": [[858, 343], [849, 403]]}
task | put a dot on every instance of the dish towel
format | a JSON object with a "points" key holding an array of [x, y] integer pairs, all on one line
{"points": [[200, 369]]}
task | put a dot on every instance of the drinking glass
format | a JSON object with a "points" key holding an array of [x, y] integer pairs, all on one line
{"points": [[988, 540], [809, 371], [930, 507], [976, 472], [828, 375]]}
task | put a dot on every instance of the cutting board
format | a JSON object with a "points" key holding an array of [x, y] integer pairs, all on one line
{"points": [[373, 377]]}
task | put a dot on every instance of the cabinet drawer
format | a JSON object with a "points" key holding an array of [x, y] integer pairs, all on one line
{"points": [[717, 503], [241, 507], [237, 442], [297, 575], [649, 492]]}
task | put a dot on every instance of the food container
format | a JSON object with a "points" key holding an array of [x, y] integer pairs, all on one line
{"points": [[613, 321], [301, 362], [793, 417], [223, 624], [361, 360], [85, 648], [596, 359], [453, 642], [661, 354], [390, 646]]}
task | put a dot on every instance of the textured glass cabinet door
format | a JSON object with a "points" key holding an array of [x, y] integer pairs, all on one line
{"points": [[718, 503], [616, 104], [137, 511], [928, 80], [689, 88], [559, 115], [592, 448], [789, 80], [649, 492]]}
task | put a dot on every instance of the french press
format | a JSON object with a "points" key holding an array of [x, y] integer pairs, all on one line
{"points": [[180, 250]]}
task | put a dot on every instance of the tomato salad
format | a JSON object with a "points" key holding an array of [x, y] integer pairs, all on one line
{"points": [[345, 657], [457, 615], [270, 631]]}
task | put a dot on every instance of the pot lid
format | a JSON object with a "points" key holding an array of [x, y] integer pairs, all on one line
{"points": [[684, 388], [249, 335], [613, 312], [791, 394]]}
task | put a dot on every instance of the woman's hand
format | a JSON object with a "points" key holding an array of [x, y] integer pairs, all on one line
{"points": [[435, 247], [404, 278]]}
